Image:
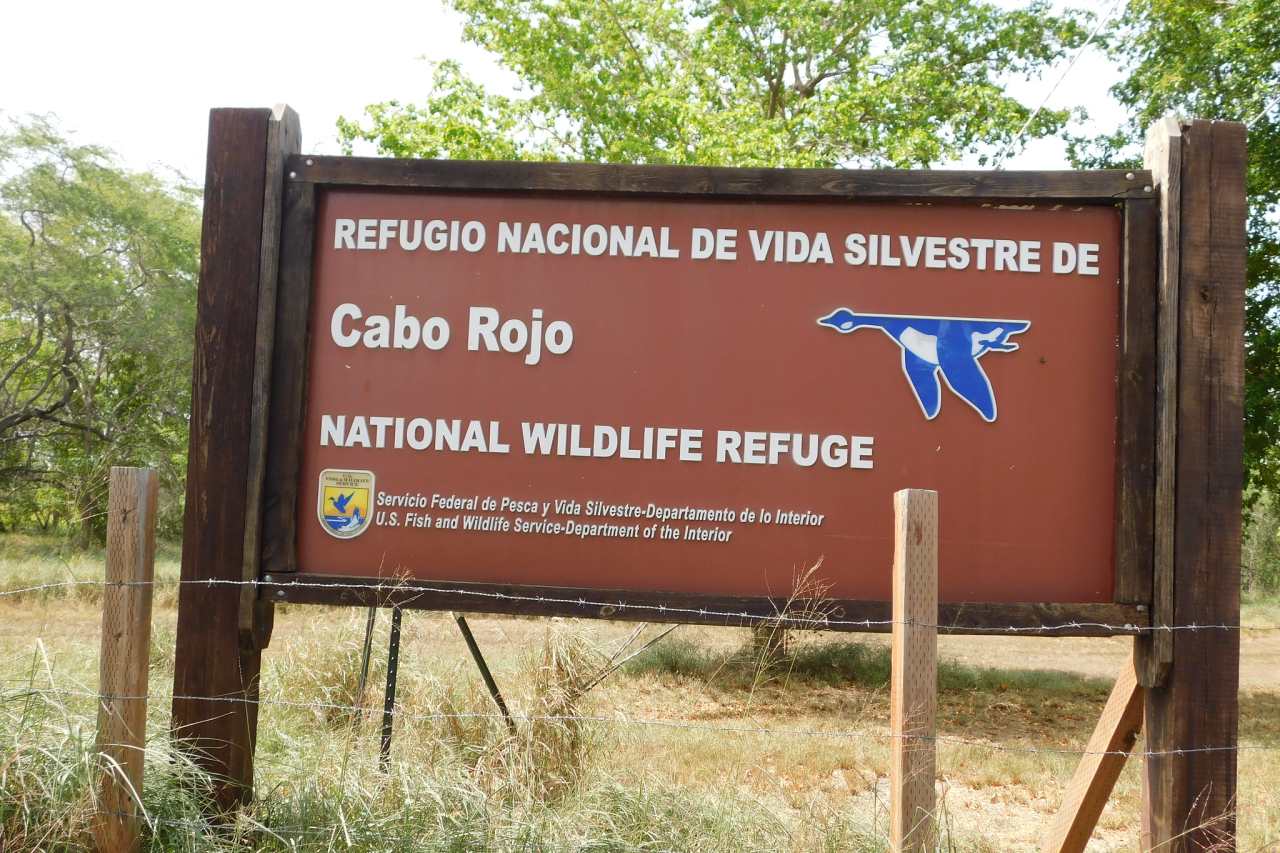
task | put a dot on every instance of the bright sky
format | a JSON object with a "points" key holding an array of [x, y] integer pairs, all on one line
{"points": [[139, 76]]}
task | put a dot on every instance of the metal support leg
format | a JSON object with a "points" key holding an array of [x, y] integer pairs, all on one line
{"points": [[389, 702], [365, 654], [484, 670]]}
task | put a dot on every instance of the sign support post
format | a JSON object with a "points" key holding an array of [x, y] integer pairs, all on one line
{"points": [[1096, 774], [1192, 705], [303, 433], [221, 627], [389, 698]]}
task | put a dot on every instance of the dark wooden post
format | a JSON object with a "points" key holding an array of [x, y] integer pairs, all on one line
{"points": [[222, 628], [1192, 702]]}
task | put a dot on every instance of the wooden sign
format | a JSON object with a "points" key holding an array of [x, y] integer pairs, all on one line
{"points": [[662, 393], [709, 395], [687, 387]]}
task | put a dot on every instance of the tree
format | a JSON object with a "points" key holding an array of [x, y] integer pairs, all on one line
{"points": [[97, 301], [1211, 59], [736, 82]]}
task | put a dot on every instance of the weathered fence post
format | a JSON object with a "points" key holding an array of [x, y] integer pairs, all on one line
{"points": [[1192, 706], [126, 644], [913, 688]]}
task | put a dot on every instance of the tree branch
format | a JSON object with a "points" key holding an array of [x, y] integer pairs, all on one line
{"points": [[35, 348]]}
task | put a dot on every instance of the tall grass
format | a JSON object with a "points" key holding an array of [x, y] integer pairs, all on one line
{"points": [[460, 780], [35, 561], [449, 789]]}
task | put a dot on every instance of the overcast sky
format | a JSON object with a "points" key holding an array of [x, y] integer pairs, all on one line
{"points": [[140, 76]]}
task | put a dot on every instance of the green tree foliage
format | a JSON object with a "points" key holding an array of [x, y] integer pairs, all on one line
{"points": [[1260, 551], [1213, 59], [734, 82], [97, 301]]}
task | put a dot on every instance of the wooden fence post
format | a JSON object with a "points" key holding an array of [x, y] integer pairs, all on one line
{"points": [[913, 695], [1192, 706], [125, 656], [222, 627]]}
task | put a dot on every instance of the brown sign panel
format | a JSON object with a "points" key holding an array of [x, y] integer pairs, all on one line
{"points": [[710, 396]]}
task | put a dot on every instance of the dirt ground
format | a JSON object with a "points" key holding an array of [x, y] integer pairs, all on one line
{"points": [[1006, 799]]}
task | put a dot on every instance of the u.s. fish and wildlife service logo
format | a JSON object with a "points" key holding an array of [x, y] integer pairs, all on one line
{"points": [[344, 501]]}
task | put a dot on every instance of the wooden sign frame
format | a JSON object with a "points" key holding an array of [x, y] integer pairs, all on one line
{"points": [[308, 176], [1179, 400]]}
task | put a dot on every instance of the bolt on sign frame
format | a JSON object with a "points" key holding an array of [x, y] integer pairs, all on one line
{"points": [[1122, 406]]}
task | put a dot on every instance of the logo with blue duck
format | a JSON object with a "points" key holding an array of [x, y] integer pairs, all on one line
{"points": [[343, 502], [940, 349]]}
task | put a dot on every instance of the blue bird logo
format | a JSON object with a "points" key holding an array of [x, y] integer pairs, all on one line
{"points": [[344, 500], [946, 346]]}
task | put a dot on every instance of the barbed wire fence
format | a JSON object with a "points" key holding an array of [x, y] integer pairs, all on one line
{"points": [[53, 690], [802, 620], [622, 720]]}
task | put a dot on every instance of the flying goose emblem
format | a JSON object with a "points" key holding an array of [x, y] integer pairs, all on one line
{"points": [[949, 347]]}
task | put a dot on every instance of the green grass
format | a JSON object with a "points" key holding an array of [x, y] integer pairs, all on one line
{"points": [[37, 552], [28, 561], [1261, 611], [675, 656], [842, 662]]}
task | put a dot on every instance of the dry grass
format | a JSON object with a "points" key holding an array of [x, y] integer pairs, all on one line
{"points": [[459, 780]]}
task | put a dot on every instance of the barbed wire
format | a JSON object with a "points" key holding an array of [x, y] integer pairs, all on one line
{"points": [[655, 722], [781, 619]]}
